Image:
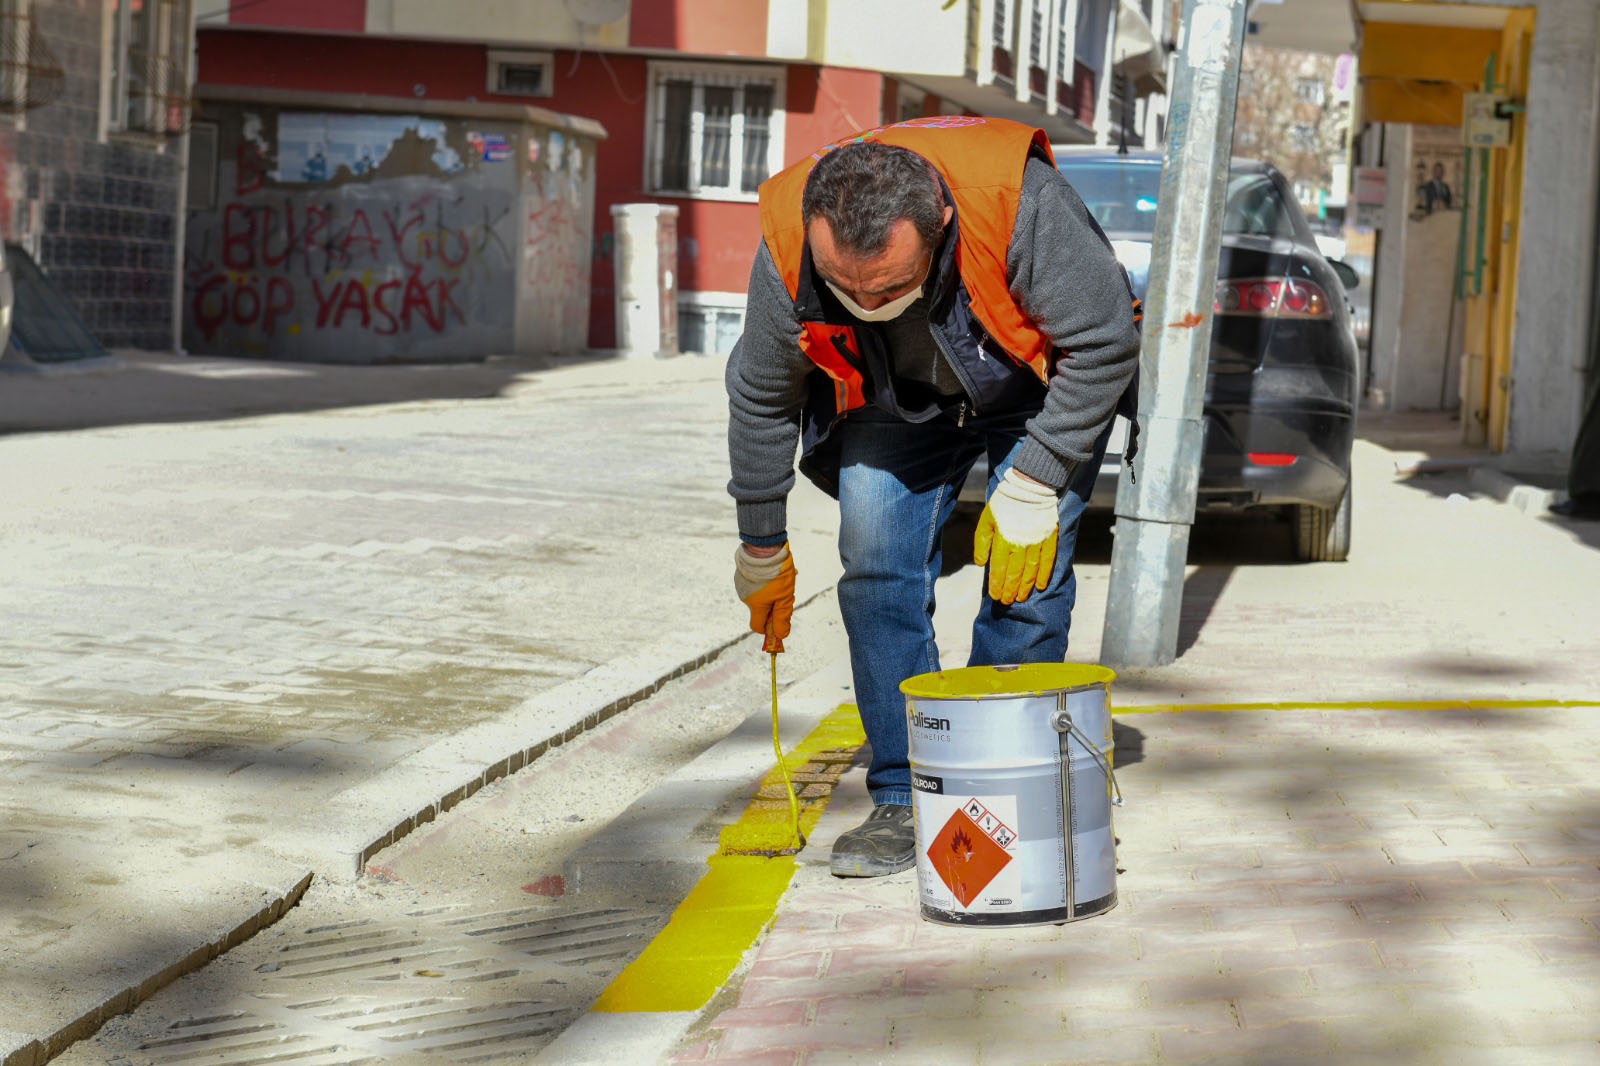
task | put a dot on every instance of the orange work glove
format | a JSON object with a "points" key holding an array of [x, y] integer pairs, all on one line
{"points": [[767, 588], [1016, 536]]}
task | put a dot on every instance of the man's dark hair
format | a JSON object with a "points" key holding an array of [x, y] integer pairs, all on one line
{"points": [[864, 188]]}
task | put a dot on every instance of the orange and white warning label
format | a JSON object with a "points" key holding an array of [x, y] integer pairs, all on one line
{"points": [[971, 852]]}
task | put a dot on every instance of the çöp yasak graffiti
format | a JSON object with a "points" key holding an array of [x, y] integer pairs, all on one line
{"points": [[333, 261]]}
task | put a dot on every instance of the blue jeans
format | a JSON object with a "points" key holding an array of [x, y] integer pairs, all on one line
{"points": [[898, 484]]}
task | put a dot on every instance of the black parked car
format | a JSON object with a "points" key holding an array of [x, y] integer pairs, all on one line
{"points": [[1283, 382]]}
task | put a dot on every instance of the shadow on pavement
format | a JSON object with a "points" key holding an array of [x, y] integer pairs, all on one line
{"points": [[1201, 591], [1127, 744], [1585, 532], [162, 387]]}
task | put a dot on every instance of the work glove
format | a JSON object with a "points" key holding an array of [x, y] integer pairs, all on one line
{"points": [[767, 588], [1016, 536]]}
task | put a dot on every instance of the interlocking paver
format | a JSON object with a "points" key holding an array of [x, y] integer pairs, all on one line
{"points": [[1328, 945], [247, 618]]}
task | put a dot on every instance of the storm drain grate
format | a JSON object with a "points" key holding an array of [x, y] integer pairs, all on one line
{"points": [[477, 947], [344, 1031]]}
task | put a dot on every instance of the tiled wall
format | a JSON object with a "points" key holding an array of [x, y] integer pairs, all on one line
{"points": [[101, 217]]}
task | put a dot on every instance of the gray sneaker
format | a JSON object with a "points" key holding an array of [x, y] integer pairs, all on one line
{"points": [[885, 843]]}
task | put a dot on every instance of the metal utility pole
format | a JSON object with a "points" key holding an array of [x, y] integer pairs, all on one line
{"points": [[1154, 513]]}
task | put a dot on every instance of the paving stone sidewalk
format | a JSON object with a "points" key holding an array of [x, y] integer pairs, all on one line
{"points": [[1338, 886], [217, 630], [1328, 887]]}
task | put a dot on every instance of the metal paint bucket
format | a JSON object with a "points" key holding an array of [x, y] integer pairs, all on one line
{"points": [[1012, 793]]}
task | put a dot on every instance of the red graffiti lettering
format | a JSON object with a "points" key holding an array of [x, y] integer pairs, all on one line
{"points": [[355, 299], [359, 232], [238, 237], [243, 312], [280, 301], [286, 244], [398, 234], [416, 299], [209, 306], [316, 222], [391, 325], [249, 169], [254, 266], [218, 298], [324, 303], [446, 301]]}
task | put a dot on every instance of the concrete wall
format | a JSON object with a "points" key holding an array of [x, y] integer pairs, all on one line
{"points": [[554, 294], [99, 214], [365, 237], [1554, 286]]}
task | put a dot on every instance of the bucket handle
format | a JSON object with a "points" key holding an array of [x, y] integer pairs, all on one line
{"points": [[1062, 722]]}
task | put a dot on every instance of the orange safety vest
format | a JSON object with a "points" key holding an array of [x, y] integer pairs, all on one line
{"points": [[981, 161]]}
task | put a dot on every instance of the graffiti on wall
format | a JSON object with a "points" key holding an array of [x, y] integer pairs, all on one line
{"points": [[361, 238], [300, 261]]}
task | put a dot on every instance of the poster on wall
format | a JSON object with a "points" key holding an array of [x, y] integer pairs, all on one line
{"points": [[1436, 169], [313, 147]]}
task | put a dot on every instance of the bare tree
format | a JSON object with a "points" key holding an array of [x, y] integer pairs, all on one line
{"points": [[1289, 115]]}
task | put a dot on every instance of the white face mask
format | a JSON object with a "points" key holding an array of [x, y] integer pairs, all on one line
{"points": [[888, 311]]}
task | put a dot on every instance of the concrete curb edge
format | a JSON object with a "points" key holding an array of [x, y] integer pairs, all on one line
{"points": [[361, 821], [21, 1049]]}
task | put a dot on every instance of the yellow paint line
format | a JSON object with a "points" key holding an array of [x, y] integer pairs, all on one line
{"points": [[730, 906], [1371, 705]]}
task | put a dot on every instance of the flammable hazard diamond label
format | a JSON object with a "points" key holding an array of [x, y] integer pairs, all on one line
{"points": [[966, 853]]}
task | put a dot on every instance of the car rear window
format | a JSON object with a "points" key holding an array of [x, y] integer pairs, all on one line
{"points": [[1122, 195]]}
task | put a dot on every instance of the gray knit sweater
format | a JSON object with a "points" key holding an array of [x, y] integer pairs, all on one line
{"points": [[1061, 271]]}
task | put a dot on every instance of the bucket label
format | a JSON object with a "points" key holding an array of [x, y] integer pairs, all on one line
{"points": [[973, 851], [927, 783]]}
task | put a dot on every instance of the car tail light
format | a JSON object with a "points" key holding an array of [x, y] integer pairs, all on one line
{"points": [[1271, 458], [1272, 298]]}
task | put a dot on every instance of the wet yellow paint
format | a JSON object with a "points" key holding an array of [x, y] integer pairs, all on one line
{"points": [[1370, 705], [685, 965], [727, 910], [987, 682]]}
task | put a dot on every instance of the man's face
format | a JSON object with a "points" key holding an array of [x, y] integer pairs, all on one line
{"points": [[874, 280], [1438, 171]]}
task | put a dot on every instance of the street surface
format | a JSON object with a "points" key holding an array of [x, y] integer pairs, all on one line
{"points": [[223, 630]]}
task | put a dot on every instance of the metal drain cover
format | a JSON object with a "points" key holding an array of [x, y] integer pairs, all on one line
{"points": [[479, 947], [348, 1030], [440, 970]]}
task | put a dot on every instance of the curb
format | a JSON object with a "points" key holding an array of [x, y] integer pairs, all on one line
{"points": [[361, 821], [284, 891], [1531, 500]]}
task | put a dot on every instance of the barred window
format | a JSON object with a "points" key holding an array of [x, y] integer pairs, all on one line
{"points": [[1002, 34], [148, 81], [30, 74], [1309, 90], [714, 131], [1063, 49], [1036, 34], [15, 40]]}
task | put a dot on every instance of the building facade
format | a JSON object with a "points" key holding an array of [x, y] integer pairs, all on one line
{"points": [[1484, 120], [94, 113], [701, 100]]}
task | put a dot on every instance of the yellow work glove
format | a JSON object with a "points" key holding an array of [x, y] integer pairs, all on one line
{"points": [[1016, 536], [767, 588]]}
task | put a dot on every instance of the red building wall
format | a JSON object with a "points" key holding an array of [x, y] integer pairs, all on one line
{"points": [[716, 238]]}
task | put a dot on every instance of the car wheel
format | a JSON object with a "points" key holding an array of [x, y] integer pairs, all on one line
{"points": [[1322, 534]]}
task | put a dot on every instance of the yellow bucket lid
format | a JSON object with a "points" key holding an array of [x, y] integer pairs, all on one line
{"points": [[985, 682]]}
